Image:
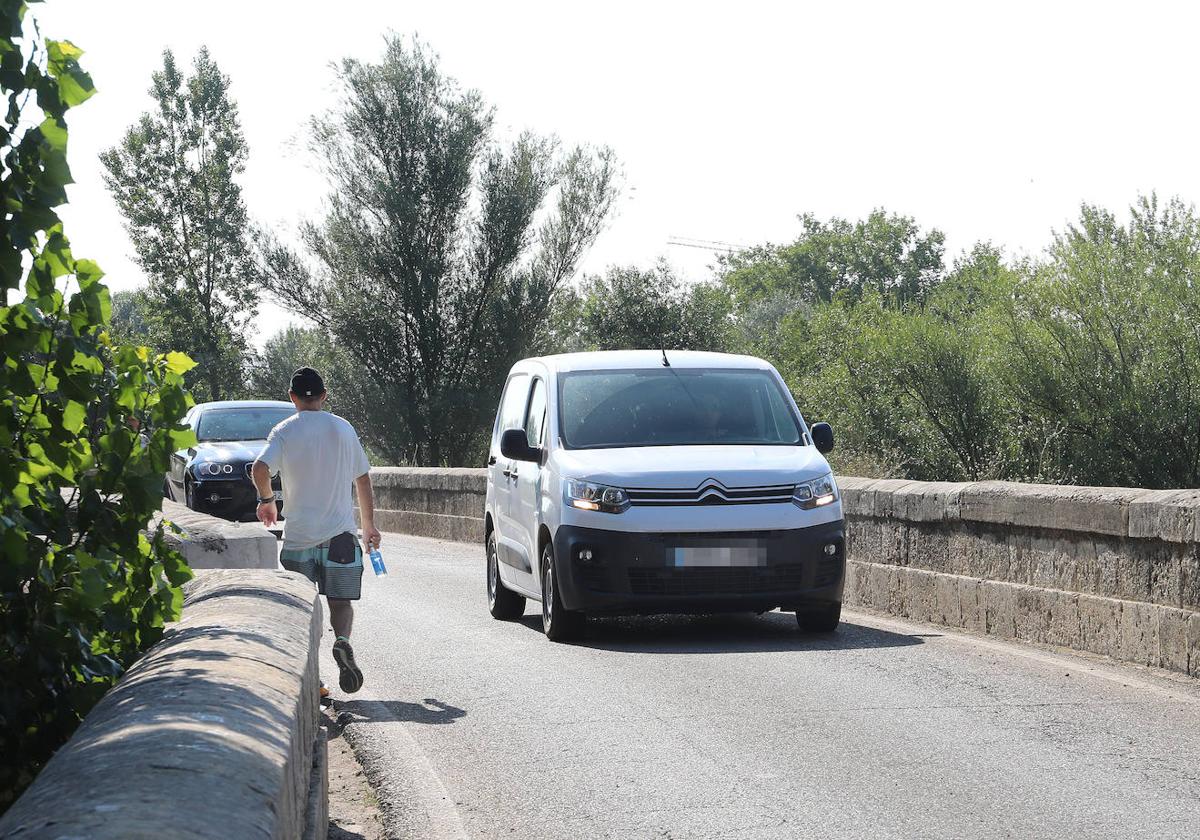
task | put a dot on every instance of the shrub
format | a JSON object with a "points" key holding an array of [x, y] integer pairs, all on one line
{"points": [[83, 589]]}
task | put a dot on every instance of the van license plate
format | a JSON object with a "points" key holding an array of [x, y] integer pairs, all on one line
{"points": [[730, 553]]}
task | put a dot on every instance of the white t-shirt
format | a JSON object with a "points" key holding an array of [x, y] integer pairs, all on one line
{"points": [[318, 456]]}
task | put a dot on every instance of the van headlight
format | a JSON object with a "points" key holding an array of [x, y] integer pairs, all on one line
{"points": [[587, 495], [816, 493]]}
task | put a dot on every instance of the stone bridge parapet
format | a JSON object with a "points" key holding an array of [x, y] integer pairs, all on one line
{"points": [[1108, 570]]}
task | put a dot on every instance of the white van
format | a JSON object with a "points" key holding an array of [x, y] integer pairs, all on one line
{"points": [[643, 481]]}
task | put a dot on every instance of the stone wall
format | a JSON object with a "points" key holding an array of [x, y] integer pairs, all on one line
{"points": [[212, 734], [446, 503], [211, 543], [1114, 571]]}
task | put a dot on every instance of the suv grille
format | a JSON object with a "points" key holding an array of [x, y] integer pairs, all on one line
{"points": [[723, 580], [250, 475]]}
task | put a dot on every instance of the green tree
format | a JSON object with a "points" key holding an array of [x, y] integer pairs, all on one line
{"points": [[884, 253], [83, 588], [131, 315], [442, 250], [291, 348], [1102, 342], [632, 308], [173, 177], [912, 389], [352, 393], [1082, 367]]}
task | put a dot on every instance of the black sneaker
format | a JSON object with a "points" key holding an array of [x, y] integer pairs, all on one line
{"points": [[349, 678]]}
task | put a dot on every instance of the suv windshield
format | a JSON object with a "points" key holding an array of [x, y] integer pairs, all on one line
{"points": [[674, 407], [240, 423]]}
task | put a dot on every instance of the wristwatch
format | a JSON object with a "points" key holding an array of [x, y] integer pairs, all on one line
{"points": [[263, 501]]}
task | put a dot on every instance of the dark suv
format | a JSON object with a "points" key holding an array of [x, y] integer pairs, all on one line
{"points": [[214, 475]]}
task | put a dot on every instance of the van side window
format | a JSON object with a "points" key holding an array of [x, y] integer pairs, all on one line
{"points": [[512, 407], [535, 419]]}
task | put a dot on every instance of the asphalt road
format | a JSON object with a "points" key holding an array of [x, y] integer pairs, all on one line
{"points": [[739, 726]]}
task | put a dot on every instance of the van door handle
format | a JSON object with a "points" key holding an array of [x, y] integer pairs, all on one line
{"points": [[511, 472]]}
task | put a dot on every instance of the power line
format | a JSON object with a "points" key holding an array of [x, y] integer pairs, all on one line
{"points": [[704, 247], [706, 244]]}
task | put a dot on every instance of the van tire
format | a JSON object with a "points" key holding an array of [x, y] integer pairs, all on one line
{"points": [[503, 603], [820, 619], [559, 623]]}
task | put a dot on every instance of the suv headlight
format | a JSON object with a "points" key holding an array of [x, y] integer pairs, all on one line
{"points": [[211, 469], [587, 495], [816, 493]]}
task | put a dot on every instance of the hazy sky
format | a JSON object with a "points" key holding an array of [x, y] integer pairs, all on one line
{"points": [[986, 120]]}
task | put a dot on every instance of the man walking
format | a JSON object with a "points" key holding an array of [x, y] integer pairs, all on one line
{"points": [[318, 456]]}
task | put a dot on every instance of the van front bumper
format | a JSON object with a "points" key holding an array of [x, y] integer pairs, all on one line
{"points": [[616, 572]]}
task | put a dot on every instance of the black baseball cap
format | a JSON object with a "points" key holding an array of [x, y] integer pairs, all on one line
{"points": [[306, 382]]}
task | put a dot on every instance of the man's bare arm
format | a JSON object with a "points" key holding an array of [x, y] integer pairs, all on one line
{"points": [[366, 510], [267, 513]]}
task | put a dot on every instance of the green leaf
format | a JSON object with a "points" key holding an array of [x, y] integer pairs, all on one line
{"points": [[62, 51], [56, 173], [74, 414], [56, 256], [87, 272], [54, 132], [182, 438], [177, 571], [10, 265], [88, 362], [100, 304], [179, 363], [74, 85]]}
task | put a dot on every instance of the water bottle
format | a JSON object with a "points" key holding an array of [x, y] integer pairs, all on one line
{"points": [[377, 563]]}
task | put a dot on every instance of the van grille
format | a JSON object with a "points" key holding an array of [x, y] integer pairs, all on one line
{"points": [[712, 493], [705, 580]]}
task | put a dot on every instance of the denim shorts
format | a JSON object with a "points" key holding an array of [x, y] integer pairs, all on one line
{"points": [[339, 580]]}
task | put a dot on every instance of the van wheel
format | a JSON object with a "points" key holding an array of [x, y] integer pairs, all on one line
{"points": [[503, 603], [559, 623], [820, 619]]}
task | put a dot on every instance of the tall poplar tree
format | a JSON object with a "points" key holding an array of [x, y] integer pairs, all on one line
{"points": [[442, 249], [173, 177]]}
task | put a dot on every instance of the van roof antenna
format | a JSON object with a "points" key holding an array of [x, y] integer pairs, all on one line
{"points": [[665, 362]]}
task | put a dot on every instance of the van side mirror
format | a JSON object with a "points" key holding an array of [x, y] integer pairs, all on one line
{"points": [[514, 445], [822, 436]]}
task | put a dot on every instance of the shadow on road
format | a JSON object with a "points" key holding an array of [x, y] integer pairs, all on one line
{"points": [[374, 711], [732, 633], [336, 832]]}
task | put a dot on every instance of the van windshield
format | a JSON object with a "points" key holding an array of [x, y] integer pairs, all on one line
{"points": [[674, 407]]}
